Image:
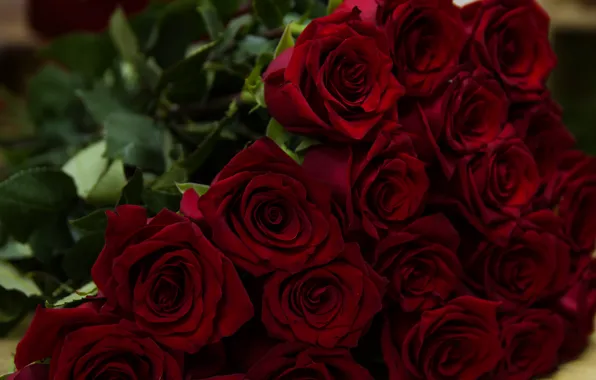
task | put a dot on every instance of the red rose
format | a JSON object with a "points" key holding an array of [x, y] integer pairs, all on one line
{"points": [[266, 213], [32, 372], [336, 83], [490, 187], [426, 38], [367, 7], [53, 18], [531, 341], [463, 117], [534, 265], [165, 275], [457, 341], [510, 37], [380, 185], [542, 129], [294, 361], [420, 262], [85, 345], [330, 306], [578, 308], [572, 194]]}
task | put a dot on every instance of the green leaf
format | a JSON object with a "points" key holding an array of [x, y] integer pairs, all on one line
{"points": [[51, 238], [89, 54], [196, 159], [12, 279], [286, 41], [333, 4], [305, 144], [211, 18], [133, 191], [51, 92], [136, 140], [95, 221], [13, 250], [79, 259], [277, 132], [108, 188], [157, 200], [29, 197], [254, 90], [123, 36], [188, 68], [234, 27], [271, 12], [100, 102], [13, 305], [89, 289], [199, 188], [168, 180]]}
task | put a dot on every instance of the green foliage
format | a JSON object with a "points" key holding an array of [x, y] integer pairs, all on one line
{"points": [[271, 12], [200, 189]]}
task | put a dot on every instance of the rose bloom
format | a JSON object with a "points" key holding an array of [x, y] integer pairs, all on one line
{"points": [[379, 185], [336, 82], [421, 263], [491, 187], [53, 18], [466, 114], [426, 38], [267, 214], [457, 341], [84, 344], [165, 275], [577, 307], [531, 340], [510, 38], [542, 129], [32, 372], [330, 306], [571, 192], [295, 361], [534, 265]]}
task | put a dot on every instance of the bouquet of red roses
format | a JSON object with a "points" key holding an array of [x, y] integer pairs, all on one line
{"points": [[416, 210]]}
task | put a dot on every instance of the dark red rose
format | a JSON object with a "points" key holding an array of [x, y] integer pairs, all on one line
{"points": [[53, 18], [84, 344], [534, 265], [531, 341], [294, 361], [367, 7], [420, 262], [336, 83], [578, 308], [426, 38], [457, 341], [510, 38], [463, 117], [208, 362], [571, 192], [489, 188], [32, 372], [380, 185], [542, 129], [329, 306], [165, 275], [266, 213]]}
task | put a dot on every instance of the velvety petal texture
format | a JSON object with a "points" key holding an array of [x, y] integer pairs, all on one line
{"points": [[167, 277], [336, 83], [267, 214]]}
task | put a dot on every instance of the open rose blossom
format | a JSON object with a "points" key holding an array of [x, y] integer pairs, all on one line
{"points": [[534, 265], [378, 186], [459, 341], [426, 38], [169, 279], [265, 213], [53, 18], [510, 38], [330, 306], [336, 83], [84, 344], [462, 117], [421, 263], [531, 341], [490, 188]]}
